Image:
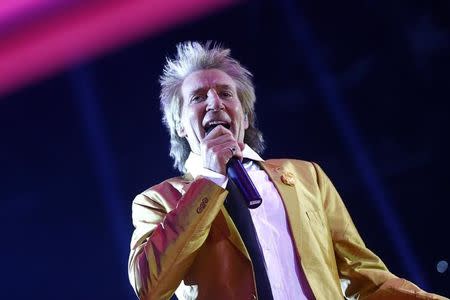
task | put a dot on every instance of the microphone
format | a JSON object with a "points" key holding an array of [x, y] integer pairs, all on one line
{"points": [[237, 173]]}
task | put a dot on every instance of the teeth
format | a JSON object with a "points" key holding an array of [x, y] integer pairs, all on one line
{"points": [[212, 124], [216, 123]]}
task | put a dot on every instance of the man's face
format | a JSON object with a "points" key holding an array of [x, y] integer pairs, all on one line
{"points": [[210, 98]]}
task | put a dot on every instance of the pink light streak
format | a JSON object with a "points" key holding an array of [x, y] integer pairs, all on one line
{"points": [[15, 14], [86, 30]]}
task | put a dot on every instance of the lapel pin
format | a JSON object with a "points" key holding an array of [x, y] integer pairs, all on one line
{"points": [[288, 178]]}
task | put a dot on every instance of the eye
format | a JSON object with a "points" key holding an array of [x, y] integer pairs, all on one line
{"points": [[226, 94], [198, 98]]}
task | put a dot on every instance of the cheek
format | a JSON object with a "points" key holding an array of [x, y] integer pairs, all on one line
{"points": [[239, 115], [194, 117]]}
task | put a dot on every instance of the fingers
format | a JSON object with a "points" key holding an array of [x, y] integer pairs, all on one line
{"points": [[221, 136], [227, 150], [218, 147], [216, 157]]}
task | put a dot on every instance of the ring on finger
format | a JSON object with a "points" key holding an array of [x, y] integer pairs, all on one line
{"points": [[233, 150]]}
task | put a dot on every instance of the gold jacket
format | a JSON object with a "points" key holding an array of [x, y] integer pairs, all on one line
{"points": [[185, 241]]}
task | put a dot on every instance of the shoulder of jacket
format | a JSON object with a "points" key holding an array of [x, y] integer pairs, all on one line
{"points": [[298, 163], [302, 167]]}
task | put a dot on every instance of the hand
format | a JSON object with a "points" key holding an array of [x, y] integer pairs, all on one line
{"points": [[218, 147]]}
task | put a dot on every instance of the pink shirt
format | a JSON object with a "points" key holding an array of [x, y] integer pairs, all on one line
{"points": [[286, 277]]}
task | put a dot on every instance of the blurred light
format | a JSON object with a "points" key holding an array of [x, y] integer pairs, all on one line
{"points": [[68, 37], [442, 266], [15, 14]]}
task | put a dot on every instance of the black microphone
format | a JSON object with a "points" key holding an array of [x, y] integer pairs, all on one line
{"points": [[237, 173]]}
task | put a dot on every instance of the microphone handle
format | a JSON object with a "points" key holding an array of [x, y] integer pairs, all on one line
{"points": [[237, 173]]}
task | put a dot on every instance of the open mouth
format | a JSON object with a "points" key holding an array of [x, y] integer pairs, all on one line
{"points": [[212, 124]]}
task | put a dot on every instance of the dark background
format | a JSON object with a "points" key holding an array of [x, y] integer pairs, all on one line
{"points": [[360, 87]]}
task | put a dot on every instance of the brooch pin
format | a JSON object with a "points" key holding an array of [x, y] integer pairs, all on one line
{"points": [[288, 179]]}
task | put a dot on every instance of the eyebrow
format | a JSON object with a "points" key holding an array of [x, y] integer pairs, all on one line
{"points": [[203, 89]]}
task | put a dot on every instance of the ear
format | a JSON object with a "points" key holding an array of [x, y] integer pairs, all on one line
{"points": [[180, 130], [245, 121]]}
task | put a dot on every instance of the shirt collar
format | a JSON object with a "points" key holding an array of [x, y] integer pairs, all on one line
{"points": [[194, 166]]}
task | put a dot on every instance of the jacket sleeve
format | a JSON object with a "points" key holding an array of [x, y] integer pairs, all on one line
{"points": [[367, 276], [165, 240]]}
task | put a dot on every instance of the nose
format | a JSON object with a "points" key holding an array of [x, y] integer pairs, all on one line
{"points": [[214, 102]]}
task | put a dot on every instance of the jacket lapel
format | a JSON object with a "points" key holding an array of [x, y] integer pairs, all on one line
{"points": [[289, 192], [226, 225], [290, 197], [223, 222]]}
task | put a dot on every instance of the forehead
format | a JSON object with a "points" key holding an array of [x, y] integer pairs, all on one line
{"points": [[206, 79]]}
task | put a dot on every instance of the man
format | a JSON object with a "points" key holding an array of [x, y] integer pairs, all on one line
{"points": [[193, 236]]}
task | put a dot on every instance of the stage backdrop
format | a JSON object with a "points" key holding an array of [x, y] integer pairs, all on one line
{"points": [[359, 87]]}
